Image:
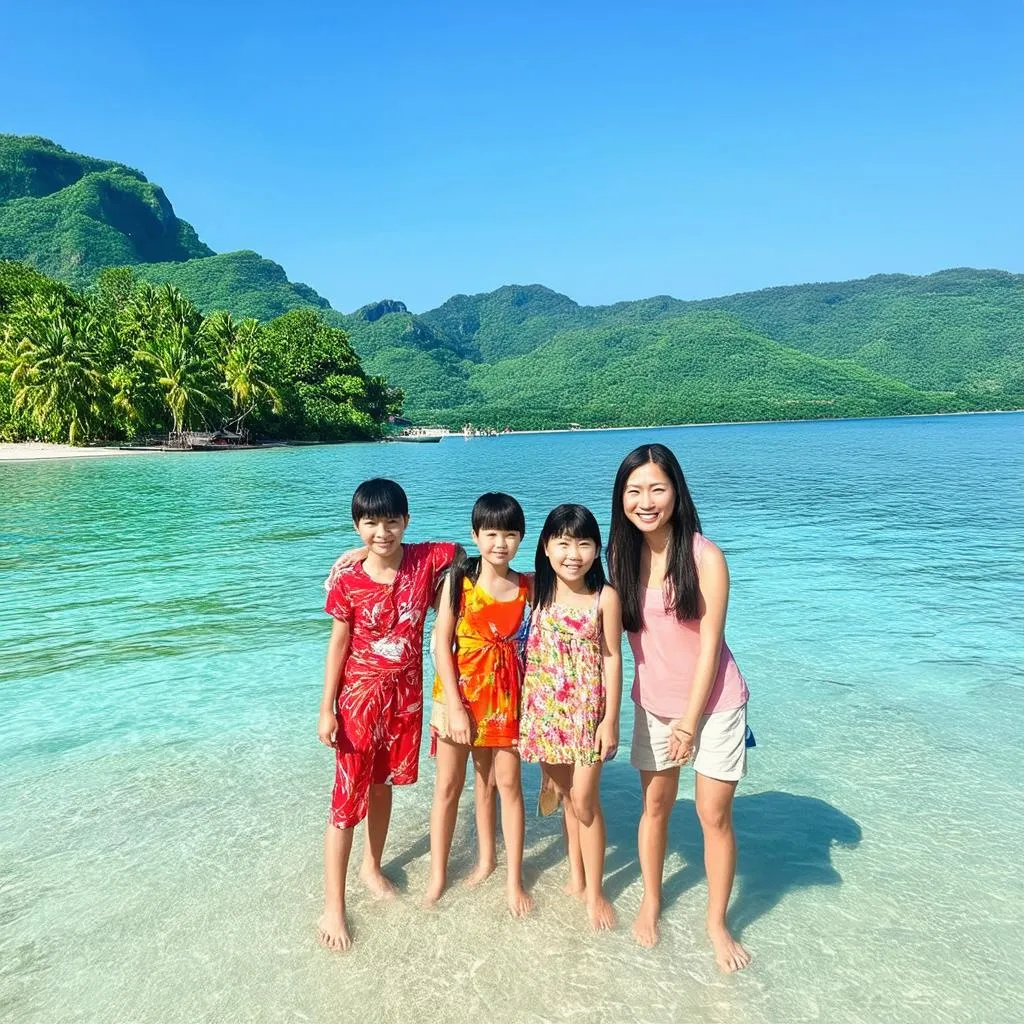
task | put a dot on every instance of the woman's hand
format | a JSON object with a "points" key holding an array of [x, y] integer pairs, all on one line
{"points": [[350, 558], [459, 730], [327, 727], [680, 743], [606, 740]]}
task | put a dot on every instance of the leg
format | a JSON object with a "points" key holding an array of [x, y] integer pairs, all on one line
{"points": [[714, 809], [513, 826], [585, 798], [659, 791], [448, 784], [332, 930], [485, 797], [560, 777], [377, 822]]}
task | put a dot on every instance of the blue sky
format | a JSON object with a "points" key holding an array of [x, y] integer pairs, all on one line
{"points": [[608, 150]]}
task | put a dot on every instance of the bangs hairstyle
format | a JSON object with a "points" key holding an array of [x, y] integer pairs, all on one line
{"points": [[682, 588], [577, 522], [379, 499], [492, 511]]}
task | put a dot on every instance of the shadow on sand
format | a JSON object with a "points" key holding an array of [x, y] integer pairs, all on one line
{"points": [[785, 843]]}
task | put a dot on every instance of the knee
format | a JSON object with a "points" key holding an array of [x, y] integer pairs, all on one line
{"points": [[659, 806], [714, 817], [584, 806], [449, 787]]}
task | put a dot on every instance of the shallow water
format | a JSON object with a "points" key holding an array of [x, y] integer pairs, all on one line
{"points": [[164, 794]]}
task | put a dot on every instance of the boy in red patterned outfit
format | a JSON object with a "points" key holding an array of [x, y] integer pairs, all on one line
{"points": [[372, 707]]}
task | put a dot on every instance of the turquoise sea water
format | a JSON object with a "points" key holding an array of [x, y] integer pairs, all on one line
{"points": [[164, 795]]}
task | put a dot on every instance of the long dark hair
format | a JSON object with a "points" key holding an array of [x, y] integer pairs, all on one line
{"points": [[682, 587], [492, 511], [577, 522]]}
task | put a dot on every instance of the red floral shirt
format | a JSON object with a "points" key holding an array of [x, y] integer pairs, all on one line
{"points": [[386, 619]]}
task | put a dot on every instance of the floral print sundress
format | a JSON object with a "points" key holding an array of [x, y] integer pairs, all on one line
{"points": [[563, 689]]}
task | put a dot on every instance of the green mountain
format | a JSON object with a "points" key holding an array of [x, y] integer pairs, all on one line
{"points": [[70, 216], [527, 356]]}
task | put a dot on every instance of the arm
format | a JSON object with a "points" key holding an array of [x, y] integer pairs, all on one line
{"points": [[444, 659], [714, 592], [607, 740], [349, 557], [337, 651]]}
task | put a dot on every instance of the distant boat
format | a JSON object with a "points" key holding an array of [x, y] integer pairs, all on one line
{"points": [[417, 438]]}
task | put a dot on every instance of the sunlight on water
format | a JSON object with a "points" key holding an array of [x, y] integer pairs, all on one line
{"points": [[164, 795]]}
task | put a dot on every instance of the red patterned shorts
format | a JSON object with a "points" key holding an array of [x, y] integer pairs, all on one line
{"points": [[380, 720]]}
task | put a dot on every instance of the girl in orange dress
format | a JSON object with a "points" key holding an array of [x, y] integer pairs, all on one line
{"points": [[480, 636]]}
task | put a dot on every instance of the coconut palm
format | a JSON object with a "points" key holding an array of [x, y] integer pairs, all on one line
{"points": [[248, 373], [56, 378], [185, 370]]}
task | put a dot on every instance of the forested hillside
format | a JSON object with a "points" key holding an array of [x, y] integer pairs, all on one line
{"points": [[71, 216], [527, 356]]}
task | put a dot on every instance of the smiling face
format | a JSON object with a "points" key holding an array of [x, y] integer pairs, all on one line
{"points": [[498, 547], [570, 557], [648, 498], [383, 536]]}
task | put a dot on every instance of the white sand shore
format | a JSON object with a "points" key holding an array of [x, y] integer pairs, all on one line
{"points": [[23, 451]]}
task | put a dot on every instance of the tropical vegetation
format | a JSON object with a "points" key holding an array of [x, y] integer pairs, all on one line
{"points": [[126, 359]]}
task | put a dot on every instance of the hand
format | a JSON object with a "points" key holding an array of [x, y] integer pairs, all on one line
{"points": [[606, 741], [327, 728], [459, 729], [350, 558], [680, 743]]}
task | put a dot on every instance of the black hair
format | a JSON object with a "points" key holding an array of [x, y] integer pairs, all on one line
{"points": [[577, 522], [379, 499], [492, 511], [682, 586]]}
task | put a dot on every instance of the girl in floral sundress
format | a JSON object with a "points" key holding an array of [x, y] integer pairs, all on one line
{"points": [[481, 627], [569, 718]]}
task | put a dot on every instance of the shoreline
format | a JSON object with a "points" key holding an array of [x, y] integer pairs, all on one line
{"points": [[41, 451]]}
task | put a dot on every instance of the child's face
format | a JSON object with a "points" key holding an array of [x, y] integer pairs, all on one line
{"points": [[498, 547], [649, 498], [383, 536], [570, 557]]}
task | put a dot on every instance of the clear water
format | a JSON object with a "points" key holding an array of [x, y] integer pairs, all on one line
{"points": [[164, 795]]}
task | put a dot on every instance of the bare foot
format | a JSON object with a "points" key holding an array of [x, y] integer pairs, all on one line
{"points": [[520, 902], [601, 914], [645, 927], [480, 872], [332, 931], [729, 954], [377, 882], [434, 891], [576, 886]]}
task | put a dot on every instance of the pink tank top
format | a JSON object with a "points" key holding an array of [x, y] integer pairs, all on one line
{"points": [[666, 651]]}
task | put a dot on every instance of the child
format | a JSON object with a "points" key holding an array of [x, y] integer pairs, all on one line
{"points": [[481, 627], [570, 709], [691, 700], [372, 706]]}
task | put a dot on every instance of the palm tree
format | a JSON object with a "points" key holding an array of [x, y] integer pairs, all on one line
{"points": [[56, 377], [185, 371], [248, 372]]}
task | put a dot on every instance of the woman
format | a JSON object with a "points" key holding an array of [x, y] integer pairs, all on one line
{"points": [[689, 694]]}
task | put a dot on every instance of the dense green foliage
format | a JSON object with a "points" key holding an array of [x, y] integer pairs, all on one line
{"points": [[127, 358], [527, 357]]}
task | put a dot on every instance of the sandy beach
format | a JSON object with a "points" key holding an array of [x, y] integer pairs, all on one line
{"points": [[30, 451]]}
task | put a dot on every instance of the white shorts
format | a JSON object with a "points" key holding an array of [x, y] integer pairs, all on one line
{"points": [[719, 748]]}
